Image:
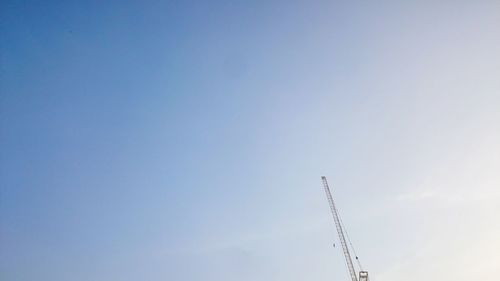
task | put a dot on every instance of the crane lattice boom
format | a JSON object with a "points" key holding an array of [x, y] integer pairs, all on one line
{"points": [[363, 275], [340, 232]]}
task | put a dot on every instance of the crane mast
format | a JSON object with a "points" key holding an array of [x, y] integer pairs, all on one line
{"points": [[340, 232]]}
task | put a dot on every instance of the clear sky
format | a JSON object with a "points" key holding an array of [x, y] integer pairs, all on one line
{"points": [[185, 140]]}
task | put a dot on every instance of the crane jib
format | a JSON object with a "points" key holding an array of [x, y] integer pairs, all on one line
{"points": [[363, 275]]}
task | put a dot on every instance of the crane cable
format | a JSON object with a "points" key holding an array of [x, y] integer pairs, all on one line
{"points": [[350, 243]]}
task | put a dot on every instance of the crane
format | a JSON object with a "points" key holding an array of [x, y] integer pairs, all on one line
{"points": [[363, 275]]}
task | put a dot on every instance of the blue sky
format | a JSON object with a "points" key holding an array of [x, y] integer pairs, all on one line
{"points": [[185, 140]]}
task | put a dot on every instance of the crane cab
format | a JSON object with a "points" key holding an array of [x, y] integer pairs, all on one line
{"points": [[363, 276]]}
